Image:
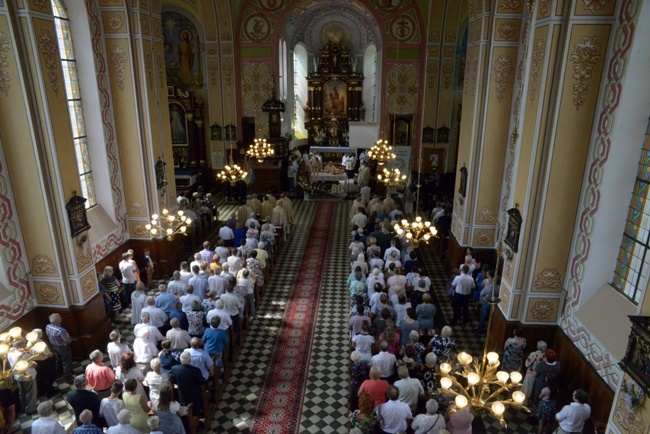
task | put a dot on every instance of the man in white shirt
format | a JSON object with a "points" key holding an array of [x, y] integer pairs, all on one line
{"points": [[115, 348], [154, 333], [217, 283], [391, 249], [394, 415], [188, 297], [359, 219], [398, 279], [206, 253], [252, 220], [176, 286], [157, 316], [227, 235], [222, 251], [572, 417], [410, 389], [463, 285], [219, 311], [385, 361], [46, 424], [196, 262], [128, 279], [179, 338], [186, 275]]}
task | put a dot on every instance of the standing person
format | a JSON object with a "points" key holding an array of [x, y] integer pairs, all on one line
{"points": [[513, 355], [547, 408], [532, 361], [128, 279], [27, 386], [148, 266], [292, 173], [112, 287], [132, 261], [45, 367], [572, 417], [394, 416], [138, 300], [546, 370], [87, 427], [100, 377], [111, 406], [60, 341], [115, 348], [463, 285], [46, 424]]}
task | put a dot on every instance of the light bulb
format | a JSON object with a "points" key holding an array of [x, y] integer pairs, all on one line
{"points": [[445, 383], [147, 227], [181, 212], [427, 224], [21, 366], [472, 378], [518, 396], [39, 347], [418, 219], [464, 359], [493, 358], [165, 211], [502, 377], [169, 231], [183, 229], [170, 218], [426, 237], [31, 336], [498, 408], [405, 222], [409, 235], [4, 349], [515, 377], [445, 368], [15, 332], [4, 337], [154, 231], [154, 216], [461, 402]]}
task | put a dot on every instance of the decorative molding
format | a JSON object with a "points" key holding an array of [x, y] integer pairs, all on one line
{"points": [[118, 59], [135, 208], [484, 238], [450, 37], [433, 51], [48, 293], [447, 73], [157, 29], [213, 70], [449, 51], [586, 54], [40, 5], [507, 30], [542, 310], [510, 5], [539, 51], [47, 47], [114, 22], [88, 285], [509, 271], [145, 25], [434, 36], [148, 67], [228, 70], [474, 72], [138, 229], [41, 264], [502, 68], [402, 88], [83, 255], [160, 69], [549, 278], [211, 48], [226, 35], [486, 215], [226, 49], [505, 294], [432, 73], [544, 8], [595, 5], [4, 75], [594, 351], [627, 419], [211, 35]]}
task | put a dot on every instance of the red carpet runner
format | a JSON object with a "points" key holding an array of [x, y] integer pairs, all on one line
{"points": [[280, 402]]}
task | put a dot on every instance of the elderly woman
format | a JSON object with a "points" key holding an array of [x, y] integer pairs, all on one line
{"points": [[372, 247], [390, 335], [546, 370], [138, 299], [253, 264], [196, 320], [129, 370], [155, 379], [364, 418], [443, 343], [208, 303], [418, 347], [532, 361], [137, 404], [393, 259], [235, 262], [401, 308], [513, 354], [144, 349], [426, 312], [358, 370], [428, 375], [361, 262], [375, 386], [363, 342], [431, 422], [112, 286]]}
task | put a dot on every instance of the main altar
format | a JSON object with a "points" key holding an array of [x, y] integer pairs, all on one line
{"points": [[335, 96]]}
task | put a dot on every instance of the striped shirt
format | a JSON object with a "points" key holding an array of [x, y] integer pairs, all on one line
{"points": [[57, 335]]}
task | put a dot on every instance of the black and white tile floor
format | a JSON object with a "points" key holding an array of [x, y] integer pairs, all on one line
{"points": [[326, 395]]}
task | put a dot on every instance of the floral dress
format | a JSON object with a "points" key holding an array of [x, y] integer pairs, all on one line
{"points": [[112, 289], [365, 424], [254, 266], [426, 313], [513, 356], [358, 374], [195, 320], [442, 347], [428, 378]]}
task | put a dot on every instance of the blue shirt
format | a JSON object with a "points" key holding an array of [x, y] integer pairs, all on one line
{"points": [[57, 335], [166, 301], [214, 340], [200, 284], [202, 360], [88, 429], [182, 318]]}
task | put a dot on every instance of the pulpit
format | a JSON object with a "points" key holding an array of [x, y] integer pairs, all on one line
{"points": [[335, 97]]}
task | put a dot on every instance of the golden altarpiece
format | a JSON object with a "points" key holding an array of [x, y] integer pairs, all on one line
{"points": [[335, 96]]}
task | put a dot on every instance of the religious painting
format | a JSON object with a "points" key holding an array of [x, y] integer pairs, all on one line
{"points": [[161, 176], [433, 160], [257, 27], [636, 361], [400, 130], [182, 50], [335, 96], [77, 214], [514, 228], [178, 123], [462, 188], [427, 134]]}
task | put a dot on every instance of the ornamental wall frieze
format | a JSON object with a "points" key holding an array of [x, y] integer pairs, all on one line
{"points": [[47, 47], [549, 278], [537, 62], [586, 54], [4, 62], [502, 69], [42, 264], [118, 60]]}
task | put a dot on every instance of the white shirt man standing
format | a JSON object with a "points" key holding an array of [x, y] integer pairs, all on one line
{"points": [[572, 417], [463, 285], [128, 279]]}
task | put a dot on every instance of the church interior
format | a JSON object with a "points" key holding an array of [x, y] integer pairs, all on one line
{"points": [[528, 118]]}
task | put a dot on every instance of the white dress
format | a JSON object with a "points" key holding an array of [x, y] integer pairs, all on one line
{"points": [[138, 299]]}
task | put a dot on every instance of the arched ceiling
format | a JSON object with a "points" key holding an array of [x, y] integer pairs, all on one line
{"points": [[311, 21]]}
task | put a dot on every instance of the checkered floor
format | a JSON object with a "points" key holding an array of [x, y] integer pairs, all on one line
{"points": [[325, 401]]}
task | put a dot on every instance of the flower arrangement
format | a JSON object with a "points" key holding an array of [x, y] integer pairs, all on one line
{"points": [[632, 393], [319, 136]]}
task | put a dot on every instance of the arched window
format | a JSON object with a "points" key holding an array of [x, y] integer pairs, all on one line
{"points": [[370, 70], [300, 100], [73, 96]]}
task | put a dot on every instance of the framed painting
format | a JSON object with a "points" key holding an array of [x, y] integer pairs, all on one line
{"points": [[434, 160], [400, 130], [178, 123], [335, 98], [77, 214], [462, 188], [637, 355], [514, 228]]}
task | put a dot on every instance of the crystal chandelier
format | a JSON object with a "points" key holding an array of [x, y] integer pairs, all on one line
{"points": [[20, 367], [260, 150], [391, 177], [415, 231], [485, 383], [168, 224], [382, 151], [231, 173]]}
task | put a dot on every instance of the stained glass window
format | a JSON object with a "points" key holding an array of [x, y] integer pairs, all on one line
{"points": [[633, 262], [74, 101]]}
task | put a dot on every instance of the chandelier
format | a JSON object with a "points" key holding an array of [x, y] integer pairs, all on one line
{"points": [[260, 150], [20, 367], [381, 151], [415, 231], [168, 224], [485, 383], [391, 177], [231, 173]]}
